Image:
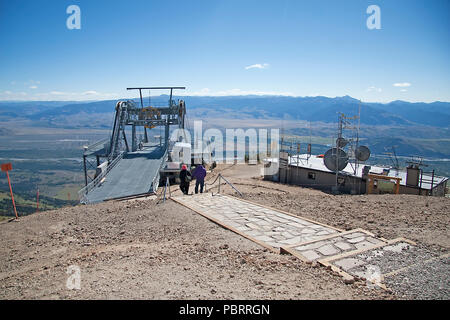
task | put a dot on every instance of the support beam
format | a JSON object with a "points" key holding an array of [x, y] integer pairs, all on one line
{"points": [[133, 138], [125, 139], [142, 103], [166, 138], [85, 171], [145, 135]]}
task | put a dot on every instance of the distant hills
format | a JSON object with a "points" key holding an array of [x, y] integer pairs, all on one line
{"points": [[323, 109], [413, 129]]}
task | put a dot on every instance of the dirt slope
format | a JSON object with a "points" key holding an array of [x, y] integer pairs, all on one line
{"points": [[140, 250], [149, 250]]}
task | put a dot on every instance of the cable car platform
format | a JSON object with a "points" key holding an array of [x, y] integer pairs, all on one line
{"points": [[134, 173]]}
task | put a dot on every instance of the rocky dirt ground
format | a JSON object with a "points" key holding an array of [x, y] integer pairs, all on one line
{"points": [[152, 250]]}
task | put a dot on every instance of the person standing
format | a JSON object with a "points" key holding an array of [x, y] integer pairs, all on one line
{"points": [[199, 174], [185, 178]]}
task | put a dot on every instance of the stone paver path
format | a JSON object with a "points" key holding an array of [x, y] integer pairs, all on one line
{"points": [[333, 245], [269, 227], [408, 269]]}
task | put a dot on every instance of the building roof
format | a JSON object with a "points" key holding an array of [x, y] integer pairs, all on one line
{"points": [[315, 163]]}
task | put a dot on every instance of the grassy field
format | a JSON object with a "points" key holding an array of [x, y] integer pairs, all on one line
{"points": [[69, 192], [49, 161]]}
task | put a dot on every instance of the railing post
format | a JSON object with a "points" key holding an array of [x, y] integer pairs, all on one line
{"points": [[231, 185], [165, 188], [220, 176], [432, 182]]}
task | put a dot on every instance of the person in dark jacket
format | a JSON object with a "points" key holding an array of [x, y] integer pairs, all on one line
{"points": [[199, 174], [185, 178]]}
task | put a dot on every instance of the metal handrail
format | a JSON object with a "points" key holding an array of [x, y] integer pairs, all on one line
{"points": [[229, 183], [154, 103], [83, 192], [96, 144], [167, 186]]}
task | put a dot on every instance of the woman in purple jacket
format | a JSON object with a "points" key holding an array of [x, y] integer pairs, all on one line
{"points": [[199, 174]]}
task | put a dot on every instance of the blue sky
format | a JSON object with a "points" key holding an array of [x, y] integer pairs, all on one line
{"points": [[227, 47]]}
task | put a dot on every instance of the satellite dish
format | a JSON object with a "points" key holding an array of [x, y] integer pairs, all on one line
{"points": [[362, 153], [341, 142], [330, 161]]}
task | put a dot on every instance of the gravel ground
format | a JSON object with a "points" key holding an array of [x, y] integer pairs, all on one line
{"points": [[430, 280], [145, 250], [389, 261]]}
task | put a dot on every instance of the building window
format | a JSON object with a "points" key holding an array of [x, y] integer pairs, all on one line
{"points": [[311, 176]]}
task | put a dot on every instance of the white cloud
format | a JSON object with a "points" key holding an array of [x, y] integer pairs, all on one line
{"points": [[372, 88], [257, 66], [58, 95], [31, 83], [403, 90], [202, 92], [92, 92], [402, 84], [33, 87]]}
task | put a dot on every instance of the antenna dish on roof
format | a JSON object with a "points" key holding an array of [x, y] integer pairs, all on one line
{"points": [[341, 142], [335, 158], [362, 153]]}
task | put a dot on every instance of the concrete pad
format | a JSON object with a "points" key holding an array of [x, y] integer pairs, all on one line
{"points": [[323, 233], [348, 263], [252, 226], [332, 245], [310, 255], [328, 250], [308, 231], [398, 247], [354, 235], [356, 240], [343, 246], [264, 238], [310, 246], [363, 244], [386, 258], [292, 240]]}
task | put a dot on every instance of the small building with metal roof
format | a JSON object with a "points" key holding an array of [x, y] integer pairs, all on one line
{"points": [[310, 171]]}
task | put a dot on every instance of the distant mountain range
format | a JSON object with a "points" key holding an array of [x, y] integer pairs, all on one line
{"points": [[323, 109]]}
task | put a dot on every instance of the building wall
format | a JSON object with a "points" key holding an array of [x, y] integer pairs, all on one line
{"points": [[321, 180], [439, 190], [413, 190], [326, 181]]}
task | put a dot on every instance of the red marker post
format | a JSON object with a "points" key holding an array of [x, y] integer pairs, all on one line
{"points": [[8, 167]]}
